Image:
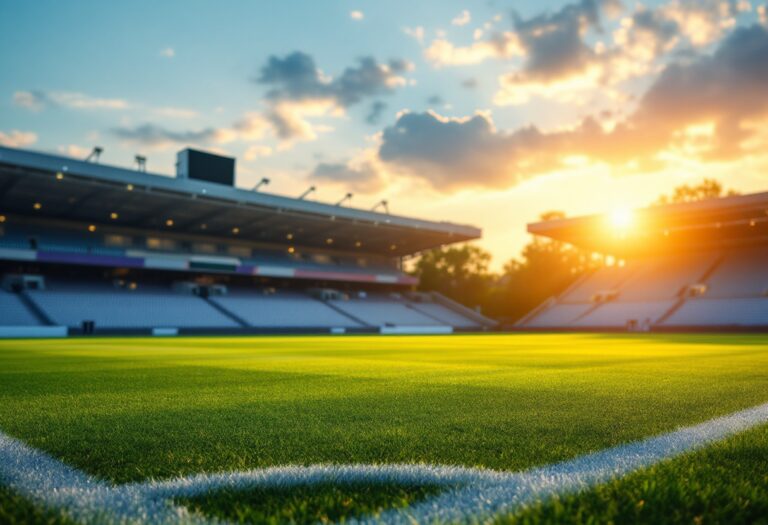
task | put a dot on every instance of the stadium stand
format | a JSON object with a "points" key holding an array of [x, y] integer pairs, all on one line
{"points": [[69, 304], [282, 310], [694, 266], [100, 249], [742, 273], [385, 311], [13, 311]]}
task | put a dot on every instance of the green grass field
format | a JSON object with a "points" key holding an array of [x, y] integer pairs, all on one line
{"points": [[131, 409]]}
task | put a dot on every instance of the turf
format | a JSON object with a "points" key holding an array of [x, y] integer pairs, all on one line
{"points": [[131, 409], [16, 510], [306, 505], [726, 483]]}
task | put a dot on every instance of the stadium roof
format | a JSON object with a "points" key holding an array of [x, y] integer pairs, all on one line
{"points": [[727, 221], [67, 188]]}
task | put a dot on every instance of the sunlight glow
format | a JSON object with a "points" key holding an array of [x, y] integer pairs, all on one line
{"points": [[621, 218]]}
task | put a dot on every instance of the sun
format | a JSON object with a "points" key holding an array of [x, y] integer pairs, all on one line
{"points": [[621, 218]]}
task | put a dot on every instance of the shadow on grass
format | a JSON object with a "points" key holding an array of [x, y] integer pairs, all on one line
{"points": [[305, 505]]}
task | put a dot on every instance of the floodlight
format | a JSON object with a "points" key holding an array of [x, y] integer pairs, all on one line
{"points": [[309, 190], [346, 197], [384, 204], [94, 155], [262, 182]]}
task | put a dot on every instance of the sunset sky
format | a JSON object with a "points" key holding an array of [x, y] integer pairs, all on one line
{"points": [[486, 113]]}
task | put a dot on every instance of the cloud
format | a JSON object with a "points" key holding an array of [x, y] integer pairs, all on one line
{"points": [[257, 151], [173, 112], [154, 136], [38, 100], [31, 100], [168, 52], [17, 139], [363, 174], [296, 77], [556, 52], [364, 179], [728, 89], [73, 150], [356, 15], [435, 100], [567, 53], [417, 33], [442, 52], [463, 19], [374, 114], [469, 83], [551, 42], [298, 89], [690, 108], [447, 152], [251, 127], [704, 21]]}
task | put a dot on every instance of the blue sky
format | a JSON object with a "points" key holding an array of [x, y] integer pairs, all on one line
{"points": [[486, 113]]}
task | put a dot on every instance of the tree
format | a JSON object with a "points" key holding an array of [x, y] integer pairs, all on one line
{"points": [[545, 268], [706, 189], [459, 272]]}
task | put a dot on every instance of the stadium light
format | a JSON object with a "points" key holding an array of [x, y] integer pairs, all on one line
{"points": [[309, 190], [94, 155], [382, 203], [346, 197], [141, 163], [262, 182]]}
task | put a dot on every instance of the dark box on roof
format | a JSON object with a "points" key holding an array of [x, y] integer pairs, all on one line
{"points": [[200, 165]]}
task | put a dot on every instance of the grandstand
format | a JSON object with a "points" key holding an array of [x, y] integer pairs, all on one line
{"points": [[91, 248], [692, 266]]}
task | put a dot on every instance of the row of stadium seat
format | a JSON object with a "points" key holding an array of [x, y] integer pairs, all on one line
{"points": [[13, 311], [713, 288], [70, 303]]}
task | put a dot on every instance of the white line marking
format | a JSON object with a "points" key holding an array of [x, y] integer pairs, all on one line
{"points": [[472, 495]]}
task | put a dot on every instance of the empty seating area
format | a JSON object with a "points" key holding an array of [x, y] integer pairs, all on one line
{"points": [[72, 303], [444, 315], [705, 289], [559, 315], [666, 277], [733, 312], [742, 273], [618, 314], [282, 310], [13, 311], [600, 281], [385, 311], [132, 306]]}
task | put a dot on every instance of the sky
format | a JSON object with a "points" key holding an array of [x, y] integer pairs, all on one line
{"points": [[484, 113]]}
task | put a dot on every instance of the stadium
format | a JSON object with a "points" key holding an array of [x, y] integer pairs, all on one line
{"points": [[402, 263], [93, 253]]}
